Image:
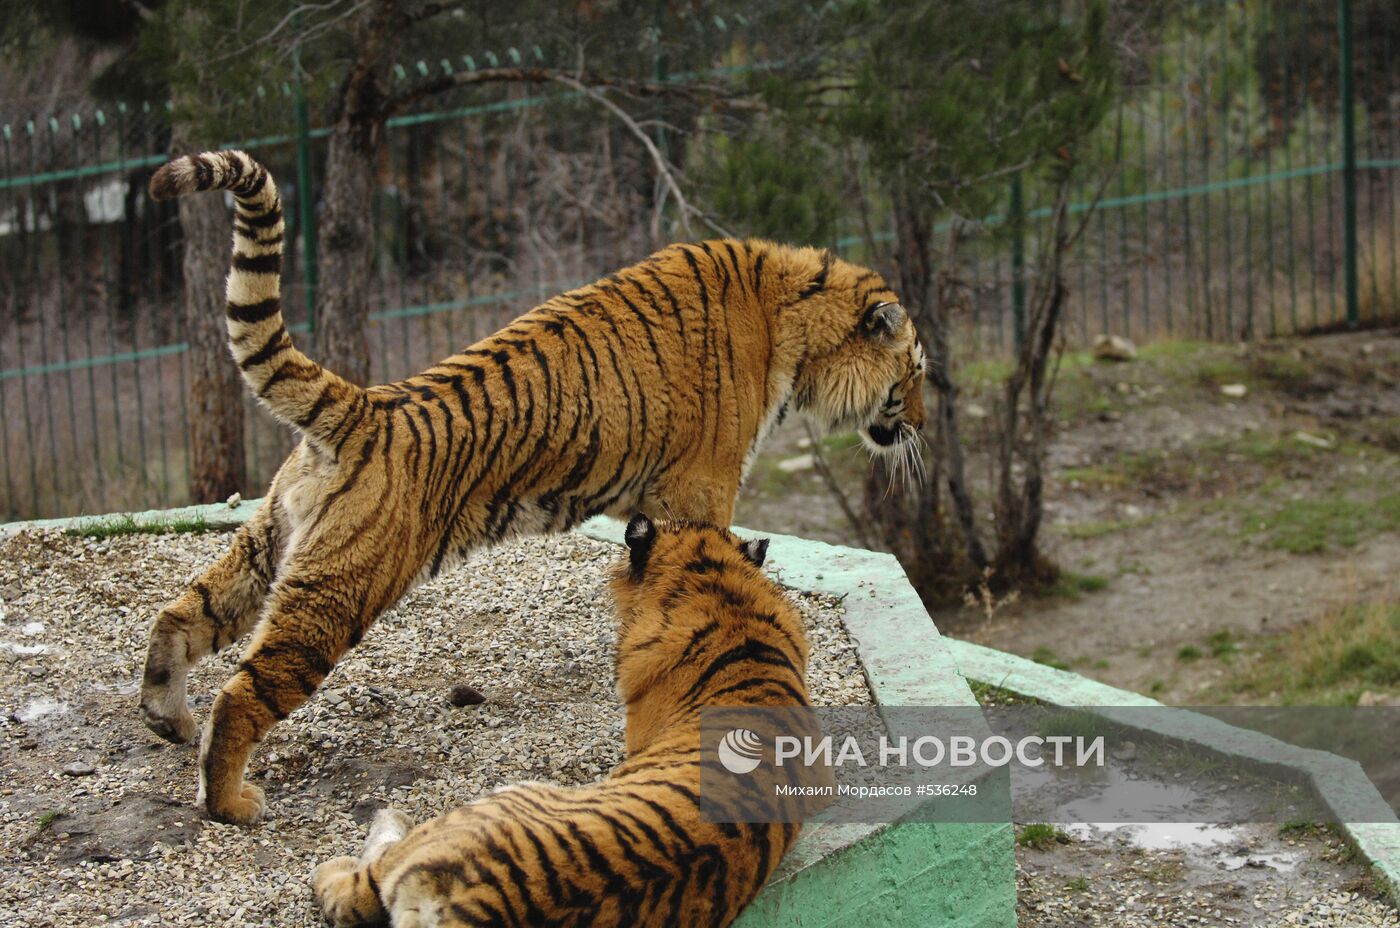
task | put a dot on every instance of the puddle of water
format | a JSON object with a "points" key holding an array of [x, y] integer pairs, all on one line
{"points": [[1160, 836], [1185, 836], [1105, 794], [24, 650], [1283, 863], [127, 688], [39, 708], [1094, 804]]}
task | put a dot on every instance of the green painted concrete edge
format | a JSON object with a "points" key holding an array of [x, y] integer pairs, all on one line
{"points": [[215, 516], [1338, 780], [931, 875]]}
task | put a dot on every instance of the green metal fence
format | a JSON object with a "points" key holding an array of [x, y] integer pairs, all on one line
{"points": [[1255, 149]]}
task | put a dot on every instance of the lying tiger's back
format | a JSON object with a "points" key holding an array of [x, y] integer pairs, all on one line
{"points": [[634, 849], [633, 857]]}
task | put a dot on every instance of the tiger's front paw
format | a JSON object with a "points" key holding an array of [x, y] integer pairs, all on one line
{"points": [[243, 807]]}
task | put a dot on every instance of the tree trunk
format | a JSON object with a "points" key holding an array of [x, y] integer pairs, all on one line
{"points": [[914, 526], [1020, 506], [346, 246], [346, 240], [215, 385]]}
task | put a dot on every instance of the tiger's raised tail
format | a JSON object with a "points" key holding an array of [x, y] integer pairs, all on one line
{"points": [[297, 389]]}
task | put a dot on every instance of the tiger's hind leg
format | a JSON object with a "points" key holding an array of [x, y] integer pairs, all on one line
{"points": [[345, 890], [216, 610], [312, 618]]}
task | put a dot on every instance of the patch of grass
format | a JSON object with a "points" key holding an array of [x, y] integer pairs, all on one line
{"points": [[125, 524], [1071, 585], [1215, 371], [1330, 661], [1099, 404], [1164, 871], [1188, 653], [1174, 350], [985, 373], [42, 825], [1095, 476], [1281, 369], [1075, 360], [1079, 884], [1088, 583], [1383, 433], [1156, 687], [1099, 529], [842, 442], [1307, 526], [988, 694], [1040, 836], [1269, 450], [1222, 644], [1049, 658], [768, 478], [1071, 723], [1300, 829]]}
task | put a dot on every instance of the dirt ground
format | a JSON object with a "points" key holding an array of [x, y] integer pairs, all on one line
{"points": [[1186, 513]]}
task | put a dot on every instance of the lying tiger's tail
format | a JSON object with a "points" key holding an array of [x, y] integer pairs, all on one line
{"points": [[297, 389]]}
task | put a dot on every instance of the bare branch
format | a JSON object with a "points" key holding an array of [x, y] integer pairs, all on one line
{"points": [[291, 16], [429, 10], [144, 12], [716, 96], [658, 160]]}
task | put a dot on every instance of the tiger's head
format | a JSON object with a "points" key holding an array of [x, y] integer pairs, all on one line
{"points": [[863, 366], [687, 594]]}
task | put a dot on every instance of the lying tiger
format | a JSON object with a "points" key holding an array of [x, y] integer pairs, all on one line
{"points": [[699, 626], [650, 390]]}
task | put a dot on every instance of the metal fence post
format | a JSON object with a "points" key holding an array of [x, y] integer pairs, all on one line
{"points": [[1018, 262], [1348, 162]]}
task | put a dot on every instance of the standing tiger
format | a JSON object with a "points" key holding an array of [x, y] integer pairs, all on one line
{"points": [[647, 391], [699, 626]]}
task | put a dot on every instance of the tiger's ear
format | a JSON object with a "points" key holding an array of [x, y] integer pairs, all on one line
{"points": [[883, 319], [756, 550], [640, 536]]}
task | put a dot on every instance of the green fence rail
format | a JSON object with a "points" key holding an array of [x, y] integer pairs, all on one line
{"points": [[1254, 146]]}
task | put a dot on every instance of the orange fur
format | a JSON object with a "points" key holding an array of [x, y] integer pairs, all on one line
{"points": [[649, 390], [699, 626]]}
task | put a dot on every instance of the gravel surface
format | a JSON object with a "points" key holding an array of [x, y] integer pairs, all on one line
{"points": [[97, 824]]}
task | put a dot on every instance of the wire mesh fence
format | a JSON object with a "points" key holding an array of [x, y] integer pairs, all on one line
{"points": [[1227, 214]]}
